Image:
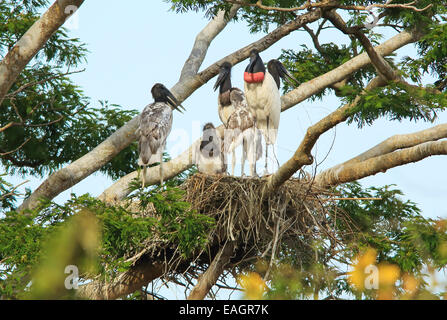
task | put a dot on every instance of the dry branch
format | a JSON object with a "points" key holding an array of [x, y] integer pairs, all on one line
{"points": [[209, 278]]}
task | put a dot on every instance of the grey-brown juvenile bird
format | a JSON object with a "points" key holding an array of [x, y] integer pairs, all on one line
{"points": [[154, 127]]}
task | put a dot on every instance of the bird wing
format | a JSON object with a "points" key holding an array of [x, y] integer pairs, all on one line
{"points": [[237, 98], [155, 126], [238, 122]]}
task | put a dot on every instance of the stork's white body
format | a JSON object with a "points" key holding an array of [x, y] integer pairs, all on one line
{"points": [[264, 102]]}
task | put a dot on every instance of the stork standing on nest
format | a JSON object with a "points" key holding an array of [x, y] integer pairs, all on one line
{"points": [[210, 158], [154, 127], [262, 92], [238, 121]]}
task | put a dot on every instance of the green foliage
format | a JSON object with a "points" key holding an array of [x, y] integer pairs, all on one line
{"points": [[432, 58], [306, 65], [177, 223], [52, 117], [397, 101], [38, 239]]}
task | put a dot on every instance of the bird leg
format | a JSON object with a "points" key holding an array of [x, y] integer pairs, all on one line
{"points": [[144, 175], [161, 169], [274, 155], [266, 147], [244, 154], [233, 162]]}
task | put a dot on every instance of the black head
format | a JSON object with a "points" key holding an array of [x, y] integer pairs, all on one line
{"points": [[277, 70], [224, 78], [161, 94], [256, 64], [208, 126], [254, 53]]}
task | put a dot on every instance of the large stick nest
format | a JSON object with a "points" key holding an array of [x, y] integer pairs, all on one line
{"points": [[295, 217], [296, 214]]}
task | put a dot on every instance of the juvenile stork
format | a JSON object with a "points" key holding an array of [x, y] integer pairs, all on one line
{"points": [[238, 121], [210, 158], [154, 127], [262, 92]]}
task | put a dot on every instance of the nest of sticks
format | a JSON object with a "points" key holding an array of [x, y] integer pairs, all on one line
{"points": [[295, 216]]}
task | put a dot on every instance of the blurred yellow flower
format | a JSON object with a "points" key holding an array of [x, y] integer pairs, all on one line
{"points": [[253, 285], [388, 275], [410, 283], [358, 275]]}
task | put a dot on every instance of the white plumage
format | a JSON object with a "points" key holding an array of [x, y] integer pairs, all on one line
{"points": [[263, 97], [209, 155], [264, 102], [155, 124]]}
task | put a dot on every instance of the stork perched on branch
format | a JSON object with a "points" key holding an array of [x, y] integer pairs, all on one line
{"points": [[154, 127], [238, 121], [263, 97]]}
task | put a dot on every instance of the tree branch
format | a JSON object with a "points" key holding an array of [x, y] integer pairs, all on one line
{"points": [[203, 41], [330, 4], [32, 41], [340, 173], [381, 65], [317, 84], [382, 163], [124, 284], [209, 278]]}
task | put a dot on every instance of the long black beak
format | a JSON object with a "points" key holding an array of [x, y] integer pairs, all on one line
{"points": [[251, 65], [284, 73], [223, 74], [173, 102]]}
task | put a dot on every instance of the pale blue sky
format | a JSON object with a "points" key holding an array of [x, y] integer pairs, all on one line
{"points": [[134, 44]]}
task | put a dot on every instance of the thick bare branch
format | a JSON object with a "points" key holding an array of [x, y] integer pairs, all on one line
{"points": [[378, 164], [340, 173], [203, 41], [209, 278], [32, 41], [126, 283]]}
